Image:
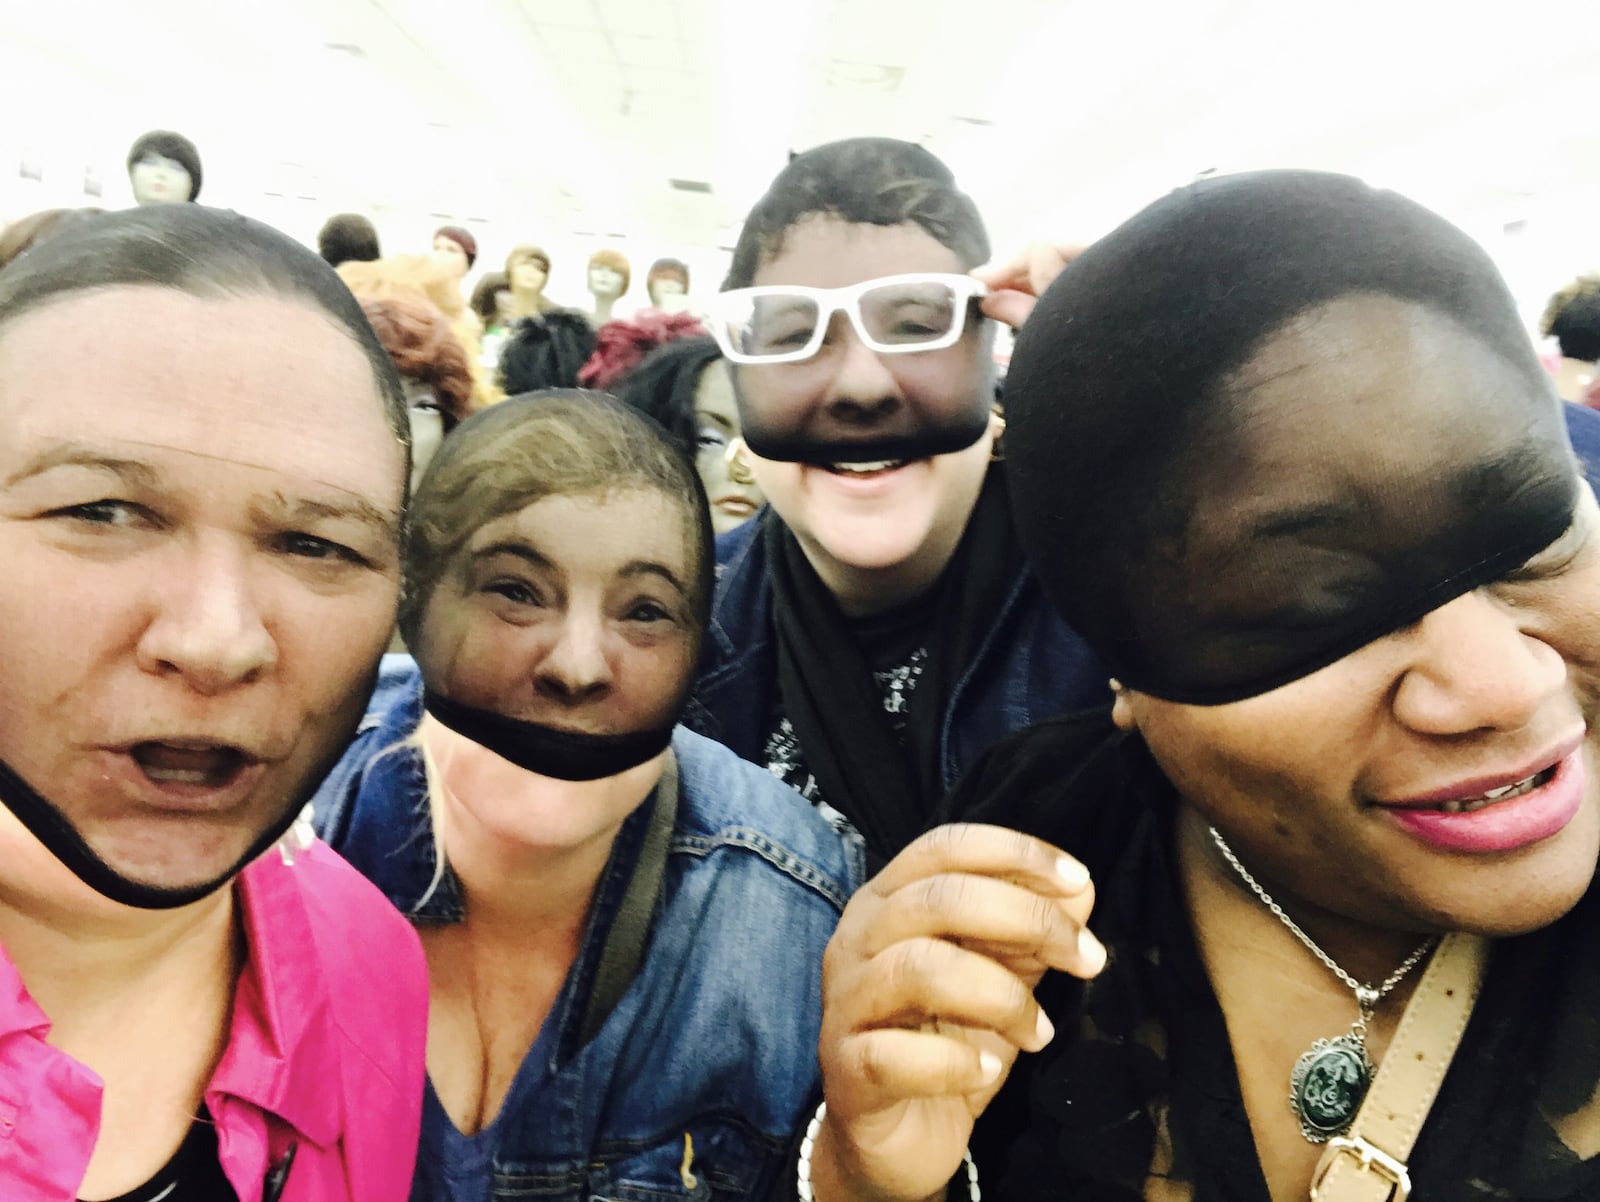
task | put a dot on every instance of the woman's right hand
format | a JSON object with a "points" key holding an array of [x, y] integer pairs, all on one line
{"points": [[927, 997]]}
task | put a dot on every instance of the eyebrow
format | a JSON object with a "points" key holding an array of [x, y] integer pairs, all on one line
{"points": [[521, 550], [636, 567], [78, 455], [646, 567], [357, 509], [1305, 519]]}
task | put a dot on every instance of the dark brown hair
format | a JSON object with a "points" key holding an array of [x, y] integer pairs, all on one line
{"points": [[23, 234], [566, 443], [863, 181]]}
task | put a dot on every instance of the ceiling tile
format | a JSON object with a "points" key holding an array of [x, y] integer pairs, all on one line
{"points": [[567, 45], [634, 51], [580, 14], [676, 83], [645, 18]]}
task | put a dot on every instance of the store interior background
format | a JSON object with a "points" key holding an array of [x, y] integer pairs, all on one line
{"points": [[651, 125]]}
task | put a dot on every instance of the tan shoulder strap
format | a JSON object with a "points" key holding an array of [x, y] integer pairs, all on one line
{"points": [[1368, 1163]]}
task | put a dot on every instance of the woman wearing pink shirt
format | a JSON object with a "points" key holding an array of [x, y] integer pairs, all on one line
{"points": [[203, 463]]}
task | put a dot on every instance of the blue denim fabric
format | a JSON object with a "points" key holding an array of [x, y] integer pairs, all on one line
{"points": [[1031, 666], [712, 1047]]}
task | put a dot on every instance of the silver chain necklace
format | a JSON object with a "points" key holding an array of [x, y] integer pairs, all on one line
{"points": [[1332, 1076]]}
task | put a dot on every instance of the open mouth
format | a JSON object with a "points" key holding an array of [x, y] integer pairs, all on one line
{"points": [[209, 766], [1509, 792], [866, 470]]}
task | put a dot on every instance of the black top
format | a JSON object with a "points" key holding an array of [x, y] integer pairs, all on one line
{"points": [[1142, 1056], [194, 1174]]}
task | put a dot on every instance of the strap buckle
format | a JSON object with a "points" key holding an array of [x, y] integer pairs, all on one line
{"points": [[1369, 1158]]}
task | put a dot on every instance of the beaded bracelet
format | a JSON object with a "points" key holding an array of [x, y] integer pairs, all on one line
{"points": [[808, 1145]]}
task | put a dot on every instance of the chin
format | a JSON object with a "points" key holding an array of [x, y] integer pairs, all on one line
{"points": [[1530, 891]]}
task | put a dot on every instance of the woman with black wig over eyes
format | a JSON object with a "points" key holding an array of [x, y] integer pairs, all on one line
{"points": [[1284, 454], [623, 921]]}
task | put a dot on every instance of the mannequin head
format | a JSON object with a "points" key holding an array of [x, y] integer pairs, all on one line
{"points": [[456, 250], [527, 270], [1572, 318], [609, 274], [164, 168], [345, 237], [491, 299], [668, 278]]}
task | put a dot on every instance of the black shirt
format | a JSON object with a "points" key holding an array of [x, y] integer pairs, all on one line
{"points": [[194, 1174]]}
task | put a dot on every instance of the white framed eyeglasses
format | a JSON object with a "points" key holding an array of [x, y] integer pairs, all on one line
{"points": [[892, 315]]}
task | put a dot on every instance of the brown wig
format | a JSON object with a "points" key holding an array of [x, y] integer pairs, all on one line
{"points": [[565, 443], [484, 300], [615, 260], [423, 348], [463, 239], [663, 269], [521, 254]]}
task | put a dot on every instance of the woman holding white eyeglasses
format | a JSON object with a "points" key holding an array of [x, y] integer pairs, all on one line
{"points": [[878, 628]]}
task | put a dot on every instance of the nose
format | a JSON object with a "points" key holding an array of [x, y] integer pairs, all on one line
{"points": [[863, 390], [1476, 669], [576, 668], [208, 628]]}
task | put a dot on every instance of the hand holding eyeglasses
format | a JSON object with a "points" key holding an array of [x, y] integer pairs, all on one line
{"points": [[1016, 285]]}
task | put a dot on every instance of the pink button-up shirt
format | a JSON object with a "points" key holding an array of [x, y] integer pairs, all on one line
{"points": [[326, 1050]]}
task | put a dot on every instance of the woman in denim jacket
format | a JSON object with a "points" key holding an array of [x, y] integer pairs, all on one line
{"points": [[593, 1034]]}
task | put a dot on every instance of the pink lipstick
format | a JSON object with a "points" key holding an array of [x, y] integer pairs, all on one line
{"points": [[1502, 814]]}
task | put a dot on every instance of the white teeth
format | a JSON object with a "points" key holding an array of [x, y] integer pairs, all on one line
{"points": [[1494, 794], [877, 465]]}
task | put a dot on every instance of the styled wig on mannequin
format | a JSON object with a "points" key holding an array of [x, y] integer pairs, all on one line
{"points": [[172, 146], [664, 386], [616, 261], [1572, 318], [425, 350], [347, 237], [623, 344], [546, 352]]}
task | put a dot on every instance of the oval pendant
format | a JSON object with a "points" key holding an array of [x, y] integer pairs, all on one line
{"points": [[1327, 1086]]}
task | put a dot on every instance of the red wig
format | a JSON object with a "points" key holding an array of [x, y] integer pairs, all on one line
{"points": [[624, 344], [420, 342]]}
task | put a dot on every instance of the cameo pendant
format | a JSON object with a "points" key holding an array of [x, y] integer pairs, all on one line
{"points": [[1328, 1084]]}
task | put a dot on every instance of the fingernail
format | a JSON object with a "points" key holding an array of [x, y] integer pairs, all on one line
{"points": [[1092, 951], [1073, 874], [989, 1064], [1045, 1029]]}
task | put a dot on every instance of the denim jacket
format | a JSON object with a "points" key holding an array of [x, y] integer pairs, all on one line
{"points": [[694, 1086], [1030, 667]]}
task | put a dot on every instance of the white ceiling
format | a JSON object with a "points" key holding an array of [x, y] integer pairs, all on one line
{"points": [[565, 121]]}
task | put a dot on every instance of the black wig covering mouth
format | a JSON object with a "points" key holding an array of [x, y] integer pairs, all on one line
{"points": [[1211, 546], [48, 825], [561, 754]]}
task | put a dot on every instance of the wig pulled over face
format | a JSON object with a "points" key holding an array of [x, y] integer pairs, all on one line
{"points": [[492, 568], [1270, 419]]}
